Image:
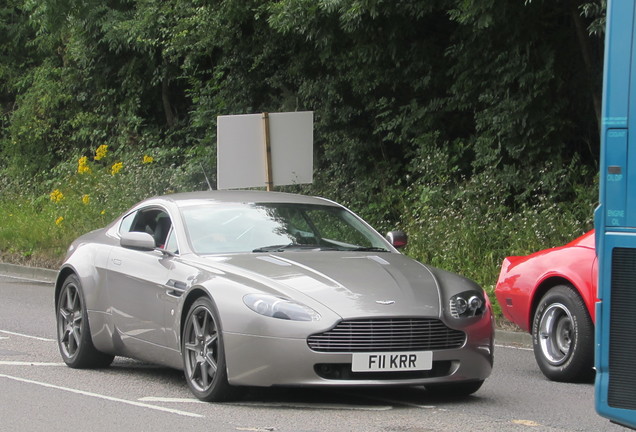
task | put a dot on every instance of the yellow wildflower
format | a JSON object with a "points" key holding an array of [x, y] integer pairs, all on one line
{"points": [[86, 199], [101, 151], [59, 221], [148, 159], [103, 212], [56, 196], [82, 165], [116, 168]]}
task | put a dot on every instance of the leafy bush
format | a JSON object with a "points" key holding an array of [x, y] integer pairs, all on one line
{"points": [[87, 192]]}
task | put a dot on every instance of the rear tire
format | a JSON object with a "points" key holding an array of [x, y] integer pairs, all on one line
{"points": [[73, 330], [563, 336]]}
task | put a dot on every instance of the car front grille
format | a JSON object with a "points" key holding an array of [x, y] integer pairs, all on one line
{"points": [[385, 335]]}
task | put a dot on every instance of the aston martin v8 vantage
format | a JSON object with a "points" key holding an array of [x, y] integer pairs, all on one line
{"points": [[249, 288]]}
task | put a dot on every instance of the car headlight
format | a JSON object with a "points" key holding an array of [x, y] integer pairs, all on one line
{"points": [[467, 304], [281, 308]]}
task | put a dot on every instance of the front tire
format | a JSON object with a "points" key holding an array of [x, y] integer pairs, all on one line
{"points": [[73, 330], [203, 354], [563, 336]]}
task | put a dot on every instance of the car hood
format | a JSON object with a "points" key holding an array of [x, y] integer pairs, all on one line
{"points": [[350, 284]]}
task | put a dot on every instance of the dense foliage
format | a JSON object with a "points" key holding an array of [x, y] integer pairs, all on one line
{"points": [[473, 124]]}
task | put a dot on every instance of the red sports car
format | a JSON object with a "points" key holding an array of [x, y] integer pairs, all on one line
{"points": [[551, 294]]}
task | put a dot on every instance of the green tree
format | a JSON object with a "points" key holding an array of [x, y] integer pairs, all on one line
{"points": [[497, 88]]}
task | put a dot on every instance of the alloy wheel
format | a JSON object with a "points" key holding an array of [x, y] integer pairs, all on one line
{"points": [[70, 320], [555, 333], [201, 348]]}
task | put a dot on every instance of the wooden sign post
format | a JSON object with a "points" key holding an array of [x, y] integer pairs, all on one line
{"points": [[269, 182]]}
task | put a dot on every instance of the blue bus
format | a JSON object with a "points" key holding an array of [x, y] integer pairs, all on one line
{"points": [[615, 223]]}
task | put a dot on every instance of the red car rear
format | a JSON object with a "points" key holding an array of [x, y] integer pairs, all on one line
{"points": [[551, 294]]}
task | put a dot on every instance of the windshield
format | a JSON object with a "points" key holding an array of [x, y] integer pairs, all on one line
{"points": [[227, 228]]}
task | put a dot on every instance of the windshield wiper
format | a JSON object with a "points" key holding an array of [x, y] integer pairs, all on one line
{"points": [[281, 248], [284, 247], [368, 249]]}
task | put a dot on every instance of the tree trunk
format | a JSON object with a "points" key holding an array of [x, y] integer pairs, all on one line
{"points": [[584, 45], [165, 98]]}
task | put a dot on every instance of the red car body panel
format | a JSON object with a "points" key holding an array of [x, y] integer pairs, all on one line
{"points": [[523, 280]]}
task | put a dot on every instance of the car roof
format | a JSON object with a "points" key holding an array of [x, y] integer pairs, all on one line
{"points": [[187, 199]]}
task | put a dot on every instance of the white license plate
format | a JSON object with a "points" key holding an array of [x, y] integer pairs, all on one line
{"points": [[392, 361]]}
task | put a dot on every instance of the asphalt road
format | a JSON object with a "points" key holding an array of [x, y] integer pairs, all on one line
{"points": [[39, 393]]}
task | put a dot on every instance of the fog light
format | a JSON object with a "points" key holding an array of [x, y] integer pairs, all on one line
{"points": [[461, 306], [475, 303], [467, 304]]}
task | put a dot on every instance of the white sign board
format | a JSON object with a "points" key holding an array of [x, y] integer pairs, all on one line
{"points": [[241, 151]]}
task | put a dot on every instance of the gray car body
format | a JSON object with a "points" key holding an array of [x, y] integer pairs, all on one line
{"points": [[137, 300]]}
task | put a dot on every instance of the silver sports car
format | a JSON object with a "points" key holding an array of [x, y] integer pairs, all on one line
{"points": [[248, 288]]}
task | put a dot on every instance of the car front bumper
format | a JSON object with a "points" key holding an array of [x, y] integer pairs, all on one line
{"points": [[270, 361]]}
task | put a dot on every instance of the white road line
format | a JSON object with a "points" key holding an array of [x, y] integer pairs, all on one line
{"points": [[256, 429], [23, 363], [392, 401], [170, 400], [272, 404], [27, 336], [514, 347], [100, 396]]}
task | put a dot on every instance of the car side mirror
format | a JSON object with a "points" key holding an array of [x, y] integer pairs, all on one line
{"points": [[397, 238], [137, 240]]}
